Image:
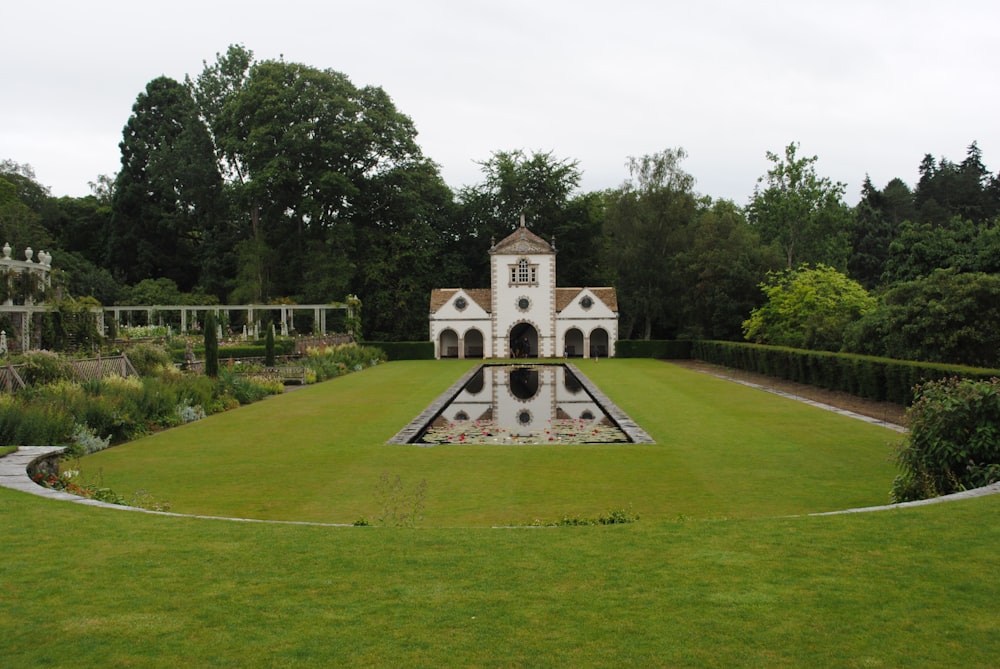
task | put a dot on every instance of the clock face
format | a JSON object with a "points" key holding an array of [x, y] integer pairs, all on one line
{"points": [[586, 302], [523, 303], [461, 304]]}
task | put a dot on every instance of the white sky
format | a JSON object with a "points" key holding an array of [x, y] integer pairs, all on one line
{"points": [[868, 86]]}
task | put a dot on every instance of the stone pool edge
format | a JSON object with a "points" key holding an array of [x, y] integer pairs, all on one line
{"points": [[635, 433]]}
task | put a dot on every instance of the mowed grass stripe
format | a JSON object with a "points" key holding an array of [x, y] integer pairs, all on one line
{"points": [[93, 587], [723, 450]]}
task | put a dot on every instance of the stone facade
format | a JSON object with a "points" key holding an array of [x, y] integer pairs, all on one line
{"points": [[523, 314]]}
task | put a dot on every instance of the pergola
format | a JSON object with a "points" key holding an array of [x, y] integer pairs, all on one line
{"points": [[190, 314]]}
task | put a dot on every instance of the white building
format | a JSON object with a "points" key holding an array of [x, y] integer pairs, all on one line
{"points": [[523, 313]]}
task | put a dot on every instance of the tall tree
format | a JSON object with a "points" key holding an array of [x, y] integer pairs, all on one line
{"points": [[647, 226], [722, 268], [309, 142], [20, 225], [877, 219], [947, 190], [538, 185], [398, 233], [168, 190], [801, 212]]}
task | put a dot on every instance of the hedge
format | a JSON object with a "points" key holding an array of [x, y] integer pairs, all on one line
{"points": [[282, 347], [870, 377], [663, 349], [405, 350]]}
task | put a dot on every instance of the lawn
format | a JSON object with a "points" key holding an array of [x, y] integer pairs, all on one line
{"points": [[714, 573], [723, 450]]}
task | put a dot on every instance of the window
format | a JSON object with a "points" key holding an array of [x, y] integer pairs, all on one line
{"points": [[523, 272]]}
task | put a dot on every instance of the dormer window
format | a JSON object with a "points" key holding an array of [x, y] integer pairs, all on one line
{"points": [[523, 272]]}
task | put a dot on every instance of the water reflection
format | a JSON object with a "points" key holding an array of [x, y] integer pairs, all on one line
{"points": [[506, 404]]}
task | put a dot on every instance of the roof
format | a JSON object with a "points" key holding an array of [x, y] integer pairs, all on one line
{"points": [[521, 241], [565, 296], [481, 296]]}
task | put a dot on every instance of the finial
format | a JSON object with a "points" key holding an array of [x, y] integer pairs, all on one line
{"points": [[522, 219]]}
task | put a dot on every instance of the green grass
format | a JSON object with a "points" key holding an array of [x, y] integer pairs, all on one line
{"points": [[729, 584], [722, 450]]}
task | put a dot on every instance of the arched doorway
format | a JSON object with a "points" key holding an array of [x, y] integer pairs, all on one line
{"points": [[523, 341], [599, 343], [473, 344], [523, 383], [448, 344], [573, 344]]}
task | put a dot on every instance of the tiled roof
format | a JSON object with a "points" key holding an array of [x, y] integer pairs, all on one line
{"points": [[565, 296], [481, 296]]}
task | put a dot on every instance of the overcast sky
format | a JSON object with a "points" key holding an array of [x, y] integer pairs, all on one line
{"points": [[868, 87]]}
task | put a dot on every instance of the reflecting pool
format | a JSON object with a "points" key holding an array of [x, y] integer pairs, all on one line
{"points": [[526, 404]]}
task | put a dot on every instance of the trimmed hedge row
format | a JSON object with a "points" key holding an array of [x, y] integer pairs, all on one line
{"points": [[881, 379], [663, 349], [405, 350], [282, 347]]}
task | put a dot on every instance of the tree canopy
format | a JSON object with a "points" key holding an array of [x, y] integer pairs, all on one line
{"points": [[274, 181], [800, 211], [808, 307]]}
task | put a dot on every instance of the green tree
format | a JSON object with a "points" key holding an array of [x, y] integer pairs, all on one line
{"points": [[211, 345], [309, 142], [168, 190], [538, 185], [877, 220], [646, 225], [921, 248], [269, 346], [79, 225], [397, 232], [947, 190], [801, 212], [20, 225], [947, 316], [722, 269], [808, 307]]}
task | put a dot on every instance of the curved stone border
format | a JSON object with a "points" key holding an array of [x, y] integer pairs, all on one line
{"points": [[991, 489], [14, 475]]}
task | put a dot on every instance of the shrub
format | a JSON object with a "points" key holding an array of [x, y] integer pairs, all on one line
{"points": [[333, 361], [41, 367], [33, 424], [246, 390], [85, 441], [149, 359], [954, 439]]}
